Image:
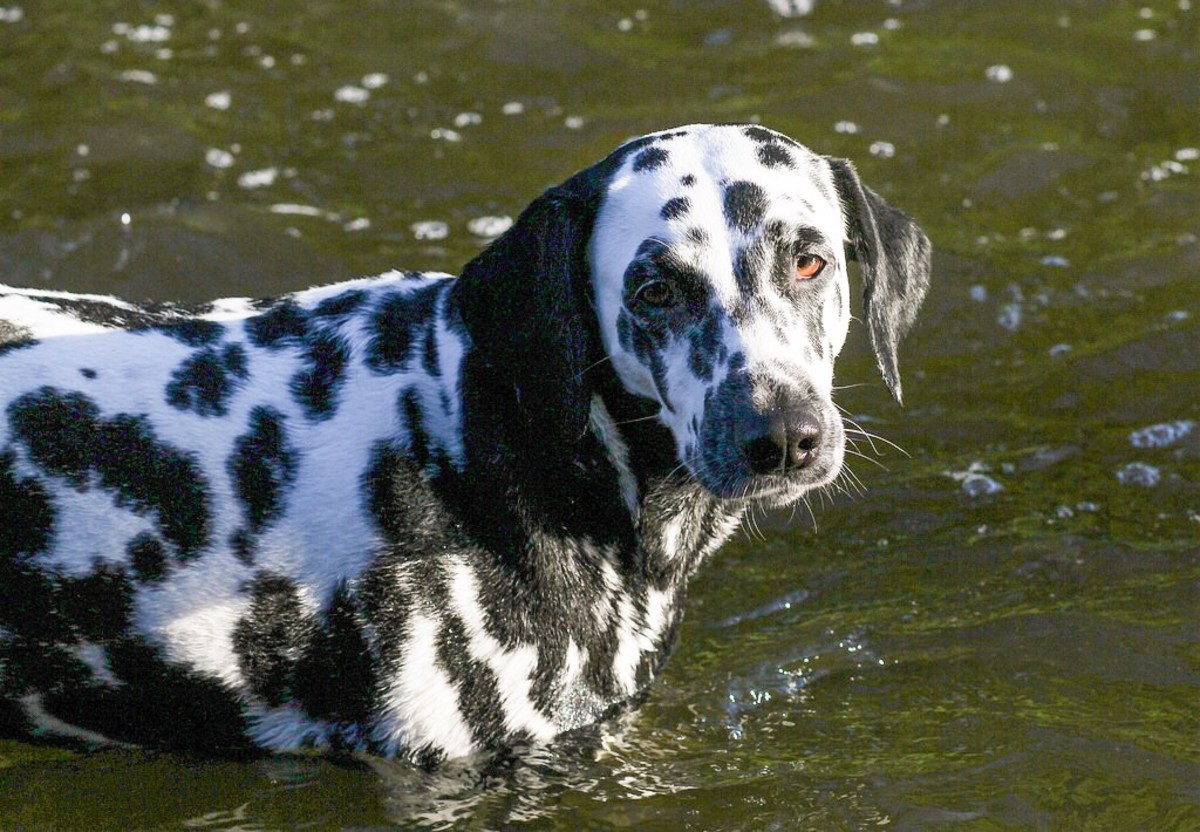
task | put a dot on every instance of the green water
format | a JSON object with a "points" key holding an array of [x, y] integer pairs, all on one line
{"points": [[1015, 649]]}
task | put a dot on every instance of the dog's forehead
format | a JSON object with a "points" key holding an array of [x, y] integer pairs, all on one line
{"points": [[714, 178]]}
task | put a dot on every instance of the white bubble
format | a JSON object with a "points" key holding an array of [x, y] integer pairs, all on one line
{"points": [[884, 150], [220, 100], [1161, 435], [999, 73], [489, 226], [1140, 474], [350, 94], [430, 230], [262, 178], [218, 158]]}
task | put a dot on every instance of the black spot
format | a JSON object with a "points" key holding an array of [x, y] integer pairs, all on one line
{"points": [[760, 134], [87, 372], [774, 156], [65, 435], [335, 677], [745, 205], [59, 432], [414, 418], [148, 557], [386, 463], [241, 542], [162, 705], [339, 306], [650, 158], [697, 236], [687, 180], [98, 605], [285, 324], [193, 332], [316, 386], [26, 517], [429, 355], [393, 324], [153, 477], [206, 380], [263, 467], [675, 208], [270, 638]]}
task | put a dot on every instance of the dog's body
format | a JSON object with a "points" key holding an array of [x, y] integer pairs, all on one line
{"points": [[424, 515]]}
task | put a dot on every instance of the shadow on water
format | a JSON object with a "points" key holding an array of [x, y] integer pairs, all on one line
{"points": [[1000, 632]]}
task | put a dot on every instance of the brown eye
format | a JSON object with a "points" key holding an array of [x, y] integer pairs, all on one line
{"points": [[656, 293], [808, 266]]}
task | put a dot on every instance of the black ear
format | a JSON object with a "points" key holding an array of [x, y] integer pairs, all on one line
{"points": [[894, 256], [526, 304]]}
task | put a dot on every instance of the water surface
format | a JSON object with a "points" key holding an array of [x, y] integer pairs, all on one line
{"points": [[1002, 631]]}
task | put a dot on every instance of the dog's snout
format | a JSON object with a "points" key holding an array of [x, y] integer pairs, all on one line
{"points": [[789, 443]]}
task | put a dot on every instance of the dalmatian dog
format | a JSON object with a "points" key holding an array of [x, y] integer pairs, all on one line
{"points": [[423, 516]]}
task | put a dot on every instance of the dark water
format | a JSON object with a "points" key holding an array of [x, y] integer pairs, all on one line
{"points": [[1002, 632]]}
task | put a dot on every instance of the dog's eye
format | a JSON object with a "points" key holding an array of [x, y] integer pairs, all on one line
{"points": [[809, 266], [656, 293]]}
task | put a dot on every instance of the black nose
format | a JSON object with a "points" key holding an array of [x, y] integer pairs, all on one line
{"points": [[789, 444]]}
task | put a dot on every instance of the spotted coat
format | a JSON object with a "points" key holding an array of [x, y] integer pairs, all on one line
{"points": [[419, 515]]}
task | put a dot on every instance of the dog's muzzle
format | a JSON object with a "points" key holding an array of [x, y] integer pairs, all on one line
{"points": [[774, 452]]}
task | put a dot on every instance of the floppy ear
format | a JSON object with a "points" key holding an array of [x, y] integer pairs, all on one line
{"points": [[894, 256], [526, 305]]}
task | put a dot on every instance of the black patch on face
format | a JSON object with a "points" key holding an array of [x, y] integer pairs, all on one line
{"points": [[194, 333], [316, 386], [335, 678], [749, 266], [339, 306], [87, 372], [687, 180], [393, 324], [206, 380], [675, 208], [148, 557], [650, 158], [705, 347], [65, 435], [285, 324], [263, 467], [697, 236], [745, 205], [625, 330], [774, 155], [270, 638]]}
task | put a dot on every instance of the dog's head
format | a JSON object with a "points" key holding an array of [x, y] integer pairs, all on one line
{"points": [[708, 264]]}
